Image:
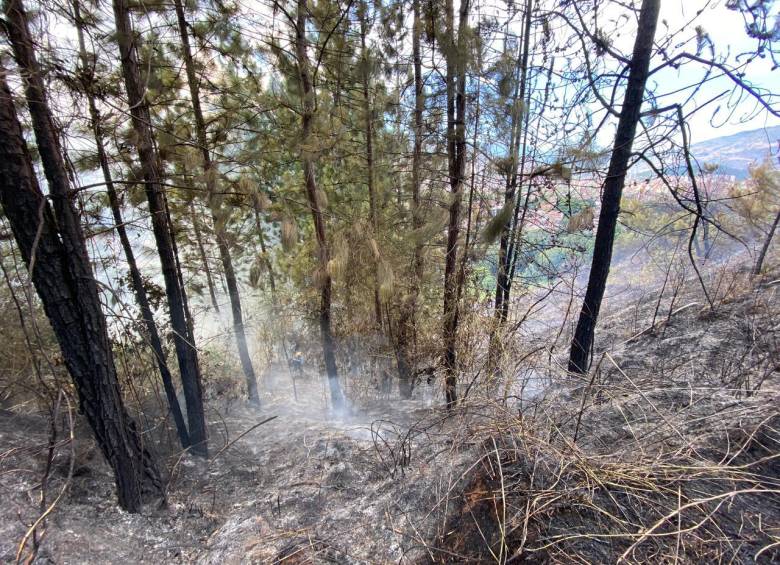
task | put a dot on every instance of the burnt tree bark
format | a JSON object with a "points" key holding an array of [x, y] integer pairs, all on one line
{"points": [[186, 352], [217, 210], [613, 187], [765, 247], [52, 246], [456, 160], [87, 78], [308, 95]]}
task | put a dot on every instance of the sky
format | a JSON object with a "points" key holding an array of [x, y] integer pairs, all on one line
{"points": [[727, 32]]}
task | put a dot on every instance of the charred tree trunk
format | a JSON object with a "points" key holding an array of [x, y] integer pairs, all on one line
{"points": [[238, 319], [464, 259], [613, 187], [311, 188], [52, 245], [186, 352], [217, 212], [141, 298], [764, 248], [407, 324], [179, 271], [456, 158]]}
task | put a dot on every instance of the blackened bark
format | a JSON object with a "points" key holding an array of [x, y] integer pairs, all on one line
{"points": [[52, 245], [464, 259], [310, 185], [179, 271], [613, 187], [186, 352], [136, 281], [456, 157], [238, 319], [209, 172], [765, 247]]}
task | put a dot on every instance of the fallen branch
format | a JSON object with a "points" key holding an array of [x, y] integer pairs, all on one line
{"points": [[228, 445]]}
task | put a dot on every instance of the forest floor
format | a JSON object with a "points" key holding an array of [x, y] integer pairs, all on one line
{"points": [[307, 486], [670, 453]]}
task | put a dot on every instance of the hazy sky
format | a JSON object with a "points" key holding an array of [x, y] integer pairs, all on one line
{"points": [[726, 30]]}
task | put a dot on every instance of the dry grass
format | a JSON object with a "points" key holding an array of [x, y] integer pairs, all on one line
{"points": [[667, 452]]}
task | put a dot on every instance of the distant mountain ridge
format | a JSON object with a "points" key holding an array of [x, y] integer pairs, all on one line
{"points": [[732, 153]]}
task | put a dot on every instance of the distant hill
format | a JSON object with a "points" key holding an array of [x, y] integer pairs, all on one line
{"points": [[733, 153]]}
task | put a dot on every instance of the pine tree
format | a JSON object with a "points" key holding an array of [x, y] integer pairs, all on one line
{"points": [[307, 111], [86, 75], [52, 244], [455, 55], [365, 64], [407, 324], [218, 213], [508, 215], [613, 187], [166, 246]]}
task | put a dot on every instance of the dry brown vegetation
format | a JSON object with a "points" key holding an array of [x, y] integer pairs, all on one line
{"points": [[666, 452]]}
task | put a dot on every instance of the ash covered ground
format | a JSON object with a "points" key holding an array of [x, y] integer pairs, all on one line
{"points": [[669, 453], [368, 485]]}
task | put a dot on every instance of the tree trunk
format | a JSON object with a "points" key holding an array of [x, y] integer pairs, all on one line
{"points": [[310, 184], [613, 187], [214, 201], [238, 319], [185, 348], [464, 259], [369, 127], [141, 298], [204, 260], [503, 284], [764, 248], [407, 325], [52, 245], [456, 158], [264, 250]]}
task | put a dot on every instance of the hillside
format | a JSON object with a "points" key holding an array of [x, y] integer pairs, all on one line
{"points": [[732, 153], [374, 282], [684, 409]]}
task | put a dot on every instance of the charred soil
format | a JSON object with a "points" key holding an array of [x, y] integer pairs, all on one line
{"points": [[666, 452]]}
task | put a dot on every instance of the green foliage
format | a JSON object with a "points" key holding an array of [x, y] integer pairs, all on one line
{"points": [[758, 200]]}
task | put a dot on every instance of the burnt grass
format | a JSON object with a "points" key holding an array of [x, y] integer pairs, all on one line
{"points": [[668, 451], [677, 452]]}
